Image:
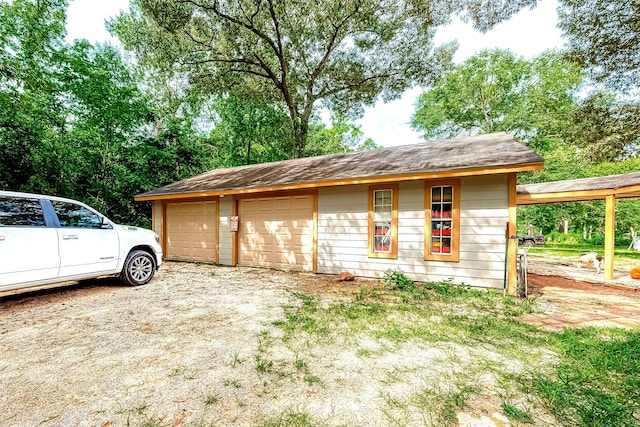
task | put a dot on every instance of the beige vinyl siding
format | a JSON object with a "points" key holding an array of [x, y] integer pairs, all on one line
{"points": [[224, 231], [342, 233]]}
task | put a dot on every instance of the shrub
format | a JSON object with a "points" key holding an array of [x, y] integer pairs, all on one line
{"points": [[397, 280]]}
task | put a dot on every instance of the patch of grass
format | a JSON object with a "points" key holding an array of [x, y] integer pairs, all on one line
{"points": [[299, 363], [364, 352], [311, 379], [516, 414], [289, 419], [439, 407], [212, 399], [232, 383], [262, 365], [597, 381], [575, 250], [589, 376], [300, 318]]}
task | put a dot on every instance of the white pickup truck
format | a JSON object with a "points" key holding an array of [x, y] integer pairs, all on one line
{"points": [[47, 240]]}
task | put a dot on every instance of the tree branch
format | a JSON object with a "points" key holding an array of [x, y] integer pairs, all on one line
{"points": [[330, 92]]}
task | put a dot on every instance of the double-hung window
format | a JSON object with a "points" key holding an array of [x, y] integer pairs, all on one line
{"points": [[383, 221], [442, 220]]}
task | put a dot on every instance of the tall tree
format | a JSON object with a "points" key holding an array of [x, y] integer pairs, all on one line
{"points": [[106, 112], [341, 137], [604, 36], [249, 131], [497, 91], [342, 54], [605, 129], [32, 118]]}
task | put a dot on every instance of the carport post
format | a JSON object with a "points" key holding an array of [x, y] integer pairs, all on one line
{"points": [[609, 235]]}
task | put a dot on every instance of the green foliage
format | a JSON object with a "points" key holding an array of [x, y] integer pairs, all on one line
{"points": [[395, 279], [497, 91], [600, 37], [74, 123], [605, 129], [341, 137], [249, 131], [296, 55]]}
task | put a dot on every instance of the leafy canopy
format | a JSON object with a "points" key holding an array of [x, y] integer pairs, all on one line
{"points": [[300, 55], [497, 91], [603, 36]]}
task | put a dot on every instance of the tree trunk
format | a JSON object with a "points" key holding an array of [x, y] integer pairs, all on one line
{"points": [[249, 151], [300, 132]]}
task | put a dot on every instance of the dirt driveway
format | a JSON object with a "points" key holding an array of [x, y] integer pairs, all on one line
{"points": [[103, 354], [179, 351]]}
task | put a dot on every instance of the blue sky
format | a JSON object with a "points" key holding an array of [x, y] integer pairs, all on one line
{"points": [[529, 33]]}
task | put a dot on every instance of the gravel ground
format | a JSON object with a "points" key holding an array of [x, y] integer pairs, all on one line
{"points": [[183, 350], [104, 354]]}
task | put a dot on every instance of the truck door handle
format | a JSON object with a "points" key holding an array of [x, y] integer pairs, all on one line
{"points": [[70, 237], [2, 238]]}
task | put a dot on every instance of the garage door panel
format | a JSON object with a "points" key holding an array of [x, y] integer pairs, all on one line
{"points": [[283, 204], [279, 233], [192, 231], [303, 203]]}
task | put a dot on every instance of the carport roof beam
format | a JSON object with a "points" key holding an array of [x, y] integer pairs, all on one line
{"points": [[608, 188]]}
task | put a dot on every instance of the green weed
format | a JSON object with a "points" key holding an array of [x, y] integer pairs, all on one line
{"points": [[232, 383], [396, 280], [289, 419], [516, 414], [212, 399]]}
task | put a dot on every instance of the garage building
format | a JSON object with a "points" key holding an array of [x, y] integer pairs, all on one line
{"points": [[438, 211]]}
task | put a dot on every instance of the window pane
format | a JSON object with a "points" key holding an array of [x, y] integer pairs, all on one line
{"points": [[441, 219], [72, 215], [15, 211], [382, 218]]}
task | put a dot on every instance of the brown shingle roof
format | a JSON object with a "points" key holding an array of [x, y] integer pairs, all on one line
{"points": [[498, 150], [623, 186]]}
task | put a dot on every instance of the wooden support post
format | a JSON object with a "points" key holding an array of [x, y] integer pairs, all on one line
{"points": [[609, 235], [512, 248]]}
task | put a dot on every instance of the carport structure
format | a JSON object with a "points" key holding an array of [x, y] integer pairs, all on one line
{"points": [[607, 188]]}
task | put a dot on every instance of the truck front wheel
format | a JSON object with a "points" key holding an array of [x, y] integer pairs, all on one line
{"points": [[138, 268]]}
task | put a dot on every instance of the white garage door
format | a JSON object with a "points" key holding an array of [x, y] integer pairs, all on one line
{"points": [[277, 232], [192, 231]]}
